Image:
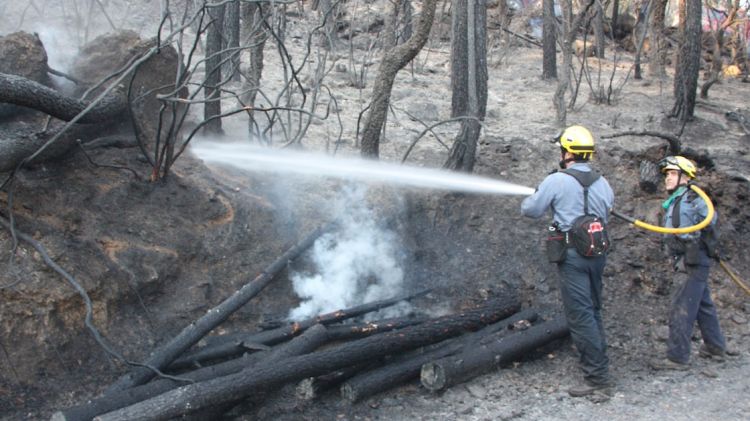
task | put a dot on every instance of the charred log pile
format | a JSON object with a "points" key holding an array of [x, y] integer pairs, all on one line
{"points": [[316, 356]]}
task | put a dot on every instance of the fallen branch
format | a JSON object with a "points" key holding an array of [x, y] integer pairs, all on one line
{"points": [[194, 397]]}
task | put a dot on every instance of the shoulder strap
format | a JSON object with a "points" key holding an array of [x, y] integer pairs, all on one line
{"points": [[676, 208], [585, 179]]}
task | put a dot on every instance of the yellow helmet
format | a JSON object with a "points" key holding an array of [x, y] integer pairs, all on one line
{"points": [[679, 163], [577, 140]]}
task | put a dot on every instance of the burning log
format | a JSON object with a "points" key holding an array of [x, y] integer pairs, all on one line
{"points": [[361, 330], [25, 92], [408, 368], [237, 344], [194, 397], [443, 373], [191, 334], [305, 343]]}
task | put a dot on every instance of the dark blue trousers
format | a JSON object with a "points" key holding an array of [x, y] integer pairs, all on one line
{"points": [[692, 302], [581, 288]]}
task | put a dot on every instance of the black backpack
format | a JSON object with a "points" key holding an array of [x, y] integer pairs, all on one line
{"points": [[589, 232]]}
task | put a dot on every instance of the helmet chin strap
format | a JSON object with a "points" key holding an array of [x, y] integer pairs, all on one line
{"points": [[677, 185]]}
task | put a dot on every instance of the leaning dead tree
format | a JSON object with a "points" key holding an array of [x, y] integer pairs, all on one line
{"points": [[393, 61]]}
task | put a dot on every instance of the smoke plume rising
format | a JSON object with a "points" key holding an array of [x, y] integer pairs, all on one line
{"points": [[357, 263]]}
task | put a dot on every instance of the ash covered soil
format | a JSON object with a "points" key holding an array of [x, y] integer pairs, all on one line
{"points": [[187, 243]]}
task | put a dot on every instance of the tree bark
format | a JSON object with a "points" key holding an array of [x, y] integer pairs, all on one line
{"points": [[232, 30], [549, 40], [25, 92], [615, 17], [193, 397], [303, 344], [191, 334], [449, 371], [658, 49], [255, 37], [688, 62], [393, 61], [468, 79], [641, 38], [598, 23], [407, 368], [212, 66]]}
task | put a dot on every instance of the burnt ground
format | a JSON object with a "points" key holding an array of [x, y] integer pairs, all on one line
{"points": [[154, 256], [187, 243]]}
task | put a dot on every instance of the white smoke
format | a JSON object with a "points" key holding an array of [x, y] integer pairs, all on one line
{"points": [[358, 263]]}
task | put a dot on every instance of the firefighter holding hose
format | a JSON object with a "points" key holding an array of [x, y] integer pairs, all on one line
{"points": [[691, 254], [580, 200]]}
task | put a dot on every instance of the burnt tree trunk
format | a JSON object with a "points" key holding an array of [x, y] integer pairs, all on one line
{"points": [[658, 48], [194, 397], [232, 41], [468, 79], [404, 369], [615, 17], [191, 334], [305, 343], [598, 22], [212, 66], [472, 362], [254, 37], [643, 23], [549, 40], [393, 61], [688, 61]]}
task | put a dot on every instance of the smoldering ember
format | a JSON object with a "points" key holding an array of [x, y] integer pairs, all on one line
{"points": [[293, 209]]}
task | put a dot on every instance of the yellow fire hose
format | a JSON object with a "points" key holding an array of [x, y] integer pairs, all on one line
{"points": [[736, 279], [685, 230]]}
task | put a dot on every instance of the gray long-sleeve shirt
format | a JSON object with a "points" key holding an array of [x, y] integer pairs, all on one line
{"points": [[563, 194]]}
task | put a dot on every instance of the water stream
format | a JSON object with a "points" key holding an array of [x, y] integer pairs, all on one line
{"points": [[254, 158]]}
